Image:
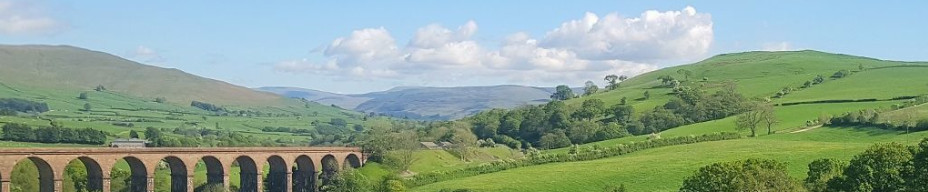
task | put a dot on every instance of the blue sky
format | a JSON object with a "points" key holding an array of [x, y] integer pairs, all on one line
{"points": [[362, 46]]}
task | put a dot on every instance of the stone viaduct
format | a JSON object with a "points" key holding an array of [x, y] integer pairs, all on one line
{"points": [[290, 168]]}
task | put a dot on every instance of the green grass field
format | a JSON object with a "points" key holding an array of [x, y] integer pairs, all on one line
{"points": [[757, 75], [663, 169]]}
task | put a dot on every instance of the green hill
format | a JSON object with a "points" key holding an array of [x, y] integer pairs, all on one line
{"points": [[76, 69], [757, 75], [58, 75]]}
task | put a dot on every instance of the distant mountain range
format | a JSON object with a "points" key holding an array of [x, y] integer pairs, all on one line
{"points": [[426, 103]]}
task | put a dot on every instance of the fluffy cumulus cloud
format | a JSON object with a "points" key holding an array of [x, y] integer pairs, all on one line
{"points": [[25, 18], [578, 50]]}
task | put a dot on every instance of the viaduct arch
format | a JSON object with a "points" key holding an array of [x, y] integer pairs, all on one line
{"points": [[296, 169]]}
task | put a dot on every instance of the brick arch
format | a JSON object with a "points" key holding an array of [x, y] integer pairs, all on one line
{"points": [[249, 173], [181, 177], [138, 172], [46, 173], [143, 161], [94, 172], [352, 160], [304, 174], [215, 169], [330, 166]]}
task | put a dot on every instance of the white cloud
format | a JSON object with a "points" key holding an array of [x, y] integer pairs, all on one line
{"points": [[651, 36], [579, 50], [24, 18], [779, 46]]}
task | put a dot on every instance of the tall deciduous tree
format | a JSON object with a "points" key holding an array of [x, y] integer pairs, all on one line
{"points": [[590, 88], [821, 171], [562, 92], [750, 120], [686, 74], [768, 114], [463, 140], [611, 82], [882, 167]]}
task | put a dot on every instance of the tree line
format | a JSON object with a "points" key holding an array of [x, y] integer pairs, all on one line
{"points": [[555, 125], [22, 105], [882, 167], [52, 134]]}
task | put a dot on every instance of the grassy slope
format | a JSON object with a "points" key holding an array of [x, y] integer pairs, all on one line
{"points": [[57, 75], [664, 169], [76, 69], [757, 74]]}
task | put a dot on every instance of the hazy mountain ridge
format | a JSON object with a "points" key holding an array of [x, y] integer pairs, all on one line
{"points": [[427, 103]]}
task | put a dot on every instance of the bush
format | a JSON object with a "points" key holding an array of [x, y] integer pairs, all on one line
{"points": [[747, 175]]}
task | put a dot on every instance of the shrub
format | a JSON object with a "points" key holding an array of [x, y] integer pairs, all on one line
{"points": [[747, 175]]}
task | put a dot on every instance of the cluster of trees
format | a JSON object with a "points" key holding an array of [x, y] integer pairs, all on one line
{"points": [[817, 80], [22, 105], [552, 125], [207, 106], [52, 134], [203, 138], [872, 118], [555, 125], [882, 167]]}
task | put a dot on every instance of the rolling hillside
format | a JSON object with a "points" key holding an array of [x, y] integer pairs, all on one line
{"points": [[57, 75], [427, 103], [77, 69], [871, 85]]}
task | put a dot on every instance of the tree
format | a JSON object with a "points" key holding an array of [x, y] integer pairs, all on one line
{"points": [[87, 107], [153, 135], [590, 88], [623, 78], [623, 101], [590, 109], [666, 79], [160, 100], [918, 178], [818, 80], [463, 140], [622, 113], [100, 88], [686, 73], [348, 180], [659, 120], [750, 120], [562, 92], [82, 96], [133, 134], [611, 83], [841, 74], [406, 146], [18, 132], [821, 171], [768, 114], [860, 67], [582, 131], [746, 175], [554, 140], [647, 95], [881, 167]]}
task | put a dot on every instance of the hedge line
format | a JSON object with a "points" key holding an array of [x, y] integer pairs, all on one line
{"points": [[539, 159], [847, 100]]}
